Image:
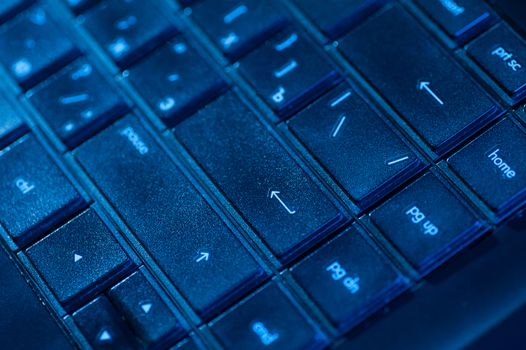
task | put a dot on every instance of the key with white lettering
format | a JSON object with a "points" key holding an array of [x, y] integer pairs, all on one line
{"points": [[418, 78], [169, 217], [266, 320], [427, 223], [127, 29], [176, 81], [502, 54], [77, 102], [348, 279], [238, 26], [461, 19], [33, 47], [39, 195], [287, 71], [355, 145], [79, 259], [494, 166], [287, 210]]}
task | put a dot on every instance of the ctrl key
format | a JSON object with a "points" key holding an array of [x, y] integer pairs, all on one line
{"points": [[348, 279], [266, 320]]}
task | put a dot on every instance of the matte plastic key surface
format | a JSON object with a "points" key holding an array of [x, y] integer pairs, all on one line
{"points": [[430, 91], [348, 278], [176, 81], [252, 169], [11, 124], [37, 195], [77, 102], [127, 29], [287, 71], [461, 19], [169, 217], [25, 322], [502, 54], [334, 17], [79, 259], [237, 26], [267, 320], [355, 145], [103, 327], [148, 315], [33, 47], [494, 166], [427, 223]]}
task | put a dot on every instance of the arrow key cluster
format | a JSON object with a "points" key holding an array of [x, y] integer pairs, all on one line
{"points": [[145, 311]]}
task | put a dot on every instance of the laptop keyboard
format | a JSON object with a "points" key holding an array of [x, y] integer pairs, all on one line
{"points": [[250, 174]]}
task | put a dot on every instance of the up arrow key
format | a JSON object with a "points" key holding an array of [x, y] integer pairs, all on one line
{"points": [[77, 257], [424, 86]]}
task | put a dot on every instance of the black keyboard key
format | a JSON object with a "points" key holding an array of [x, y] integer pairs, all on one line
{"points": [[494, 165], [419, 79], [461, 19], [39, 195], [348, 279], [237, 26], [427, 223], [270, 190], [11, 125], [502, 54], [25, 322], [33, 47], [148, 315], [79, 259], [287, 72], [175, 224], [267, 320], [513, 11], [77, 102], [334, 17], [128, 28], [9, 8], [103, 327], [176, 81], [355, 145]]}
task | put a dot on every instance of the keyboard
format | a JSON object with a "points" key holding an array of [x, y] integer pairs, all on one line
{"points": [[263, 174]]}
